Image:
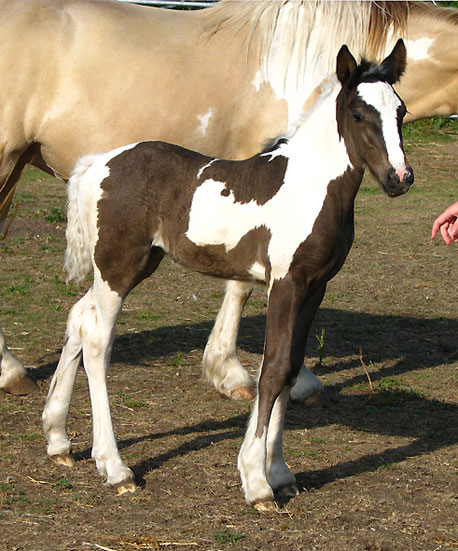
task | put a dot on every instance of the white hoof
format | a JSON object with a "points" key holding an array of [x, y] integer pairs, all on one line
{"points": [[307, 385]]}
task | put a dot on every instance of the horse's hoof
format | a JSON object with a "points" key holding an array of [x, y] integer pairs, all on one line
{"points": [[21, 386], [317, 398], [291, 490], [243, 393], [65, 459], [265, 506], [125, 486]]}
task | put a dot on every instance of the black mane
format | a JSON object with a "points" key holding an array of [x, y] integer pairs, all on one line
{"points": [[369, 72]]}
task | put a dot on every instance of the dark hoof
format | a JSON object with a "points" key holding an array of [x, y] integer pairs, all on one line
{"points": [[291, 490], [21, 387]]}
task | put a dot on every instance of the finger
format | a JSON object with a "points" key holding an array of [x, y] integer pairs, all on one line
{"points": [[453, 230], [444, 233], [440, 221]]}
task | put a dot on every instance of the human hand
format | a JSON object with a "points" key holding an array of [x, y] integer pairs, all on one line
{"points": [[447, 223]]}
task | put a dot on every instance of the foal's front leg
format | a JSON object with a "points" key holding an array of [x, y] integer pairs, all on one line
{"points": [[261, 463], [261, 474]]}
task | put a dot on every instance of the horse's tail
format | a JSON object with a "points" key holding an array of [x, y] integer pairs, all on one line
{"points": [[78, 255]]}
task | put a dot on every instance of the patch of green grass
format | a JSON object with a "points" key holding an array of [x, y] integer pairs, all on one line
{"points": [[130, 402], [369, 190], [387, 467], [20, 288], [440, 130], [316, 440], [133, 403], [47, 507], [394, 385], [228, 536], [302, 453], [320, 347], [63, 484], [27, 436], [177, 361], [23, 197], [147, 315], [55, 215], [391, 392], [6, 487]]}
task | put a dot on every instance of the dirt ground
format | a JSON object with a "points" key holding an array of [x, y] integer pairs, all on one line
{"points": [[376, 464]]}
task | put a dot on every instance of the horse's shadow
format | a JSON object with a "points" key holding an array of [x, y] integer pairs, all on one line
{"points": [[433, 428], [405, 343]]}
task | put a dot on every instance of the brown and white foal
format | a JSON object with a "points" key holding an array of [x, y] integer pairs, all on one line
{"points": [[283, 217]]}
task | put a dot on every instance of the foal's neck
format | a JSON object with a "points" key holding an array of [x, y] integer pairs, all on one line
{"points": [[316, 152]]}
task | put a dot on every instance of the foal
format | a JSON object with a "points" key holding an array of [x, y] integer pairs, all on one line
{"points": [[283, 217]]}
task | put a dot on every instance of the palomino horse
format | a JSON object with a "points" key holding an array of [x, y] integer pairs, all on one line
{"points": [[96, 75], [283, 217]]}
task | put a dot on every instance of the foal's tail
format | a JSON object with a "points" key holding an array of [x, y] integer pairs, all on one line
{"points": [[78, 256]]}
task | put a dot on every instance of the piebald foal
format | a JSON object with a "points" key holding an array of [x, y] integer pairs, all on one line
{"points": [[284, 217]]}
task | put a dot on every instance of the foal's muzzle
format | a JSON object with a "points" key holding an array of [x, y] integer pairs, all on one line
{"points": [[398, 182]]}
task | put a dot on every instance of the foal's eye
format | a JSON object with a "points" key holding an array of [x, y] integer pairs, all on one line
{"points": [[357, 117]]}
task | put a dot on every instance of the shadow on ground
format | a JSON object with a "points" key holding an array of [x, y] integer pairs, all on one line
{"points": [[404, 342]]}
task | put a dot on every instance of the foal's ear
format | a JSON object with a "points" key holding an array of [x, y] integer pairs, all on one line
{"points": [[395, 64], [346, 64]]}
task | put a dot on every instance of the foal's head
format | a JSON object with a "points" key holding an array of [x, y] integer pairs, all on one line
{"points": [[369, 117]]}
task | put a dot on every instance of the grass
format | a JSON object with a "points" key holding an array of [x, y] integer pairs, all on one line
{"points": [[56, 215], [132, 403], [302, 453], [321, 347], [63, 484], [228, 536], [177, 361], [440, 130]]}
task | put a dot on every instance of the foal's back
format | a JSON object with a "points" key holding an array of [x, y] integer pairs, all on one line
{"points": [[193, 207]]}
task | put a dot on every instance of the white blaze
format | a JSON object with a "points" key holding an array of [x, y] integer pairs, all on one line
{"points": [[382, 97]]}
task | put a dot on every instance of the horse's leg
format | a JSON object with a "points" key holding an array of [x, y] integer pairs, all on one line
{"points": [[13, 378], [280, 477], [55, 412], [260, 451], [284, 303], [220, 364], [308, 387], [97, 338]]}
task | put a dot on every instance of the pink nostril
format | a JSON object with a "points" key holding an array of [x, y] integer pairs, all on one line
{"points": [[402, 172]]}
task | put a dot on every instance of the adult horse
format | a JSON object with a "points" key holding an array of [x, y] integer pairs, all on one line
{"points": [[82, 77], [283, 217]]}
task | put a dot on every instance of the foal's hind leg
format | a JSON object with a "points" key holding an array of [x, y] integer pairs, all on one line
{"points": [[55, 412], [220, 364], [97, 337]]}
